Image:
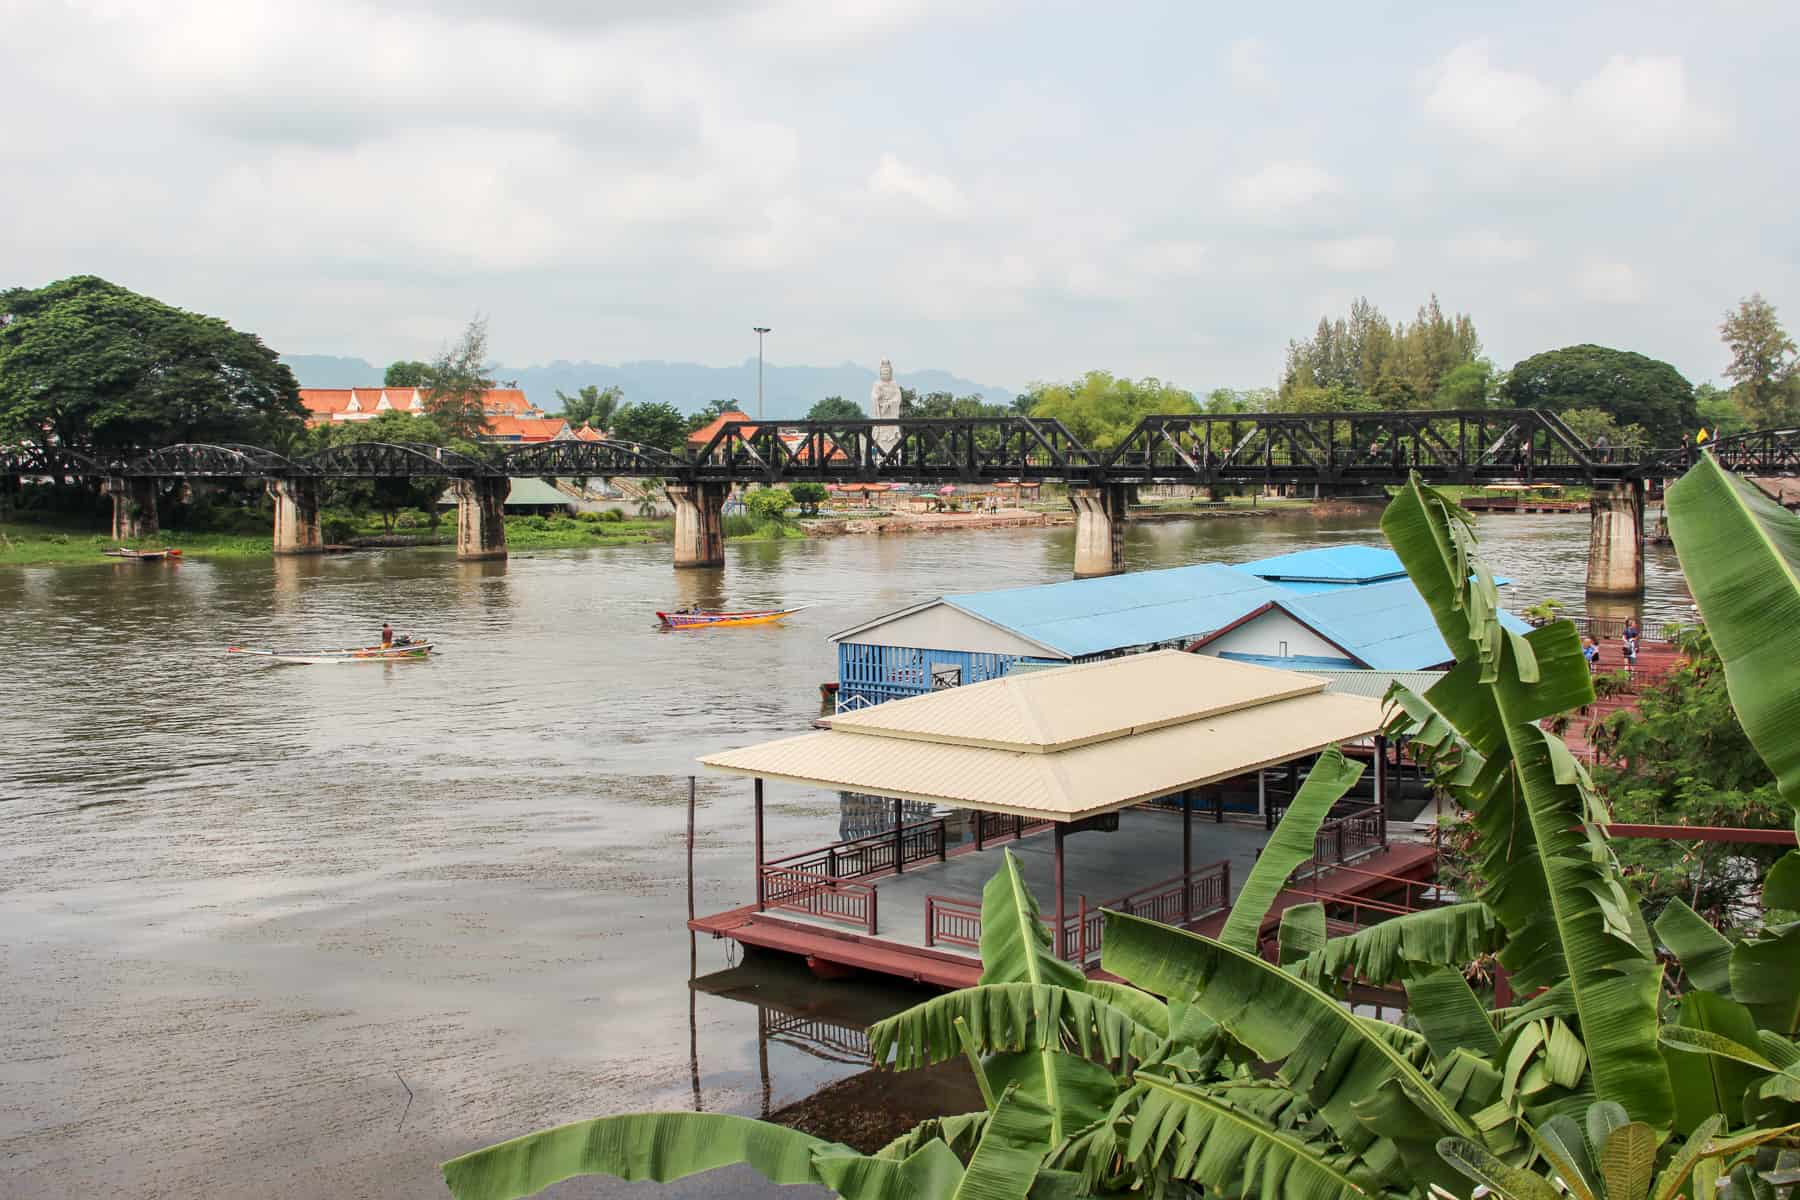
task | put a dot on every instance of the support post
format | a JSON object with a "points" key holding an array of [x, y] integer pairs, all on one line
{"points": [[759, 844], [699, 523], [1099, 529], [297, 515], [1262, 796], [690, 849], [481, 516], [134, 507], [1616, 539], [1187, 852], [1381, 785], [1062, 932], [899, 842]]}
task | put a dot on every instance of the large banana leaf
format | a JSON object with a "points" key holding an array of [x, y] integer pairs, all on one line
{"points": [[931, 1170], [658, 1146], [1404, 946], [1547, 870], [1704, 1083], [1449, 1015], [1010, 1017], [1016, 948], [1290, 845], [1234, 1153], [1704, 952], [1324, 1051], [1741, 553], [1010, 1153]]}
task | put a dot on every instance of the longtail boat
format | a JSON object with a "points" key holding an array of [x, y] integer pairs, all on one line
{"points": [[399, 652], [711, 619], [142, 555]]}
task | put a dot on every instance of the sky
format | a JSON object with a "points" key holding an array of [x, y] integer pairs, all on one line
{"points": [[1013, 192]]}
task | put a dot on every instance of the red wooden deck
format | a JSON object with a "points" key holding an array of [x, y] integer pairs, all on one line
{"points": [[830, 952]]}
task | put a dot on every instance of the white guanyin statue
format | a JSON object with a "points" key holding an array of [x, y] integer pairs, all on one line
{"points": [[884, 405]]}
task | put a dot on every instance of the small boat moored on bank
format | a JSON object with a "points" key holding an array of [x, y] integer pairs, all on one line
{"points": [[397, 652], [700, 618], [131, 555]]}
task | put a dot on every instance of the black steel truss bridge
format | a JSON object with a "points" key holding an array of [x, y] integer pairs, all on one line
{"points": [[1338, 451]]}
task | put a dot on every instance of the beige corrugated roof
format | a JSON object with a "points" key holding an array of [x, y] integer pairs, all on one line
{"points": [[1046, 711], [1069, 784]]}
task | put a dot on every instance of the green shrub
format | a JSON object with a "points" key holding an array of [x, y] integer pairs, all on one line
{"points": [[337, 530], [611, 516], [768, 504]]}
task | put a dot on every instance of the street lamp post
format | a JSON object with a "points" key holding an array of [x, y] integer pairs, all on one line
{"points": [[760, 330]]}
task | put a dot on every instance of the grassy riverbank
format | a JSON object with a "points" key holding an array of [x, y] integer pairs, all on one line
{"points": [[31, 544]]}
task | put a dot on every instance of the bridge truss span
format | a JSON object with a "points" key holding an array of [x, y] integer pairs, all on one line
{"points": [[966, 450]]}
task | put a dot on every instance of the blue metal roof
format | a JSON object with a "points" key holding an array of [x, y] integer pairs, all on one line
{"points": [[1117, 612], [1329, 568], [1330, 565], [1386, 625]]}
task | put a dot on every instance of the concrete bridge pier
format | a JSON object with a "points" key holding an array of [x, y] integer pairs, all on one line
{"points": [[1100, 528], [1616, 539], [297, 516], [481, 517], [699, 523], [134, 507]]}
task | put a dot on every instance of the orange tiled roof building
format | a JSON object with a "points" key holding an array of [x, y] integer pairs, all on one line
{"points": [[511, 417]]}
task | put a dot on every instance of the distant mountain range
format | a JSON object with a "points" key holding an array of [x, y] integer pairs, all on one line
{"points": [[788, 391]]}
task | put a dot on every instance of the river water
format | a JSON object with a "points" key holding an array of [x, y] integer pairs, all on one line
{"points": [[304, 931]]}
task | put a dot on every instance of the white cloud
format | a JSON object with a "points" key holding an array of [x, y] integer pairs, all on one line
{"points": [[1369, 252], [1485, 247], [891, 177], [1247, 65], [1608, 282], [1282, 188], [1630, 110]]}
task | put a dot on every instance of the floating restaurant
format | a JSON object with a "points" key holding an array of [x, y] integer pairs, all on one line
{"points": [[1331, 608], [1122, 752]]}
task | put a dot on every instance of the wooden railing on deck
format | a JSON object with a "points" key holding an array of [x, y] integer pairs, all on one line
{"points": [[818, 895], [1355, 835], [872, 855], [956, 921]]}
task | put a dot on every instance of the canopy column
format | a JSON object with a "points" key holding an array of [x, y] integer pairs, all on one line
{"points": [[899, 841], [1062, 933], [1187, 852], [759, 844]]}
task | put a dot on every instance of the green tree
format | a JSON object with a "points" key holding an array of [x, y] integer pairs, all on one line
{"points": [[651, 423], [836, 408], [1101, 408], [808, 496], [1635, 389], [591, 406], [1465, 385], [98, 368], [944, 406], [1363, 361], [406, 373], [1592, 424], [387, 497], [457, 382], [1720, 413], [1683, 758], [1763, 364]]}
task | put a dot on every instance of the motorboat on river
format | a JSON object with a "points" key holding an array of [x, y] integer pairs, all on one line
{"points": [[701, 618], [397, 651]]}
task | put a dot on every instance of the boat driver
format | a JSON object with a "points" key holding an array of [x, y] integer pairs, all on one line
{"points": [[387, 635]]}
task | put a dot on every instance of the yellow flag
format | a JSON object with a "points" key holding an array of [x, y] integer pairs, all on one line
{"points": [[1701, 440]]}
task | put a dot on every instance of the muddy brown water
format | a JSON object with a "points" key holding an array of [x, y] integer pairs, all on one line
{"points": [[306, 931]]}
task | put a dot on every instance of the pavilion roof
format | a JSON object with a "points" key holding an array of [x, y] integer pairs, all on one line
{"points": [[1073, 742]]}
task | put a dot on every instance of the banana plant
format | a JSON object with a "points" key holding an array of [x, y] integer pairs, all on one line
{"points": [[1548, 874]]}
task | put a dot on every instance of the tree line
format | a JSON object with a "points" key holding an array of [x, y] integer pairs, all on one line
{"points": [[94, 367]]}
